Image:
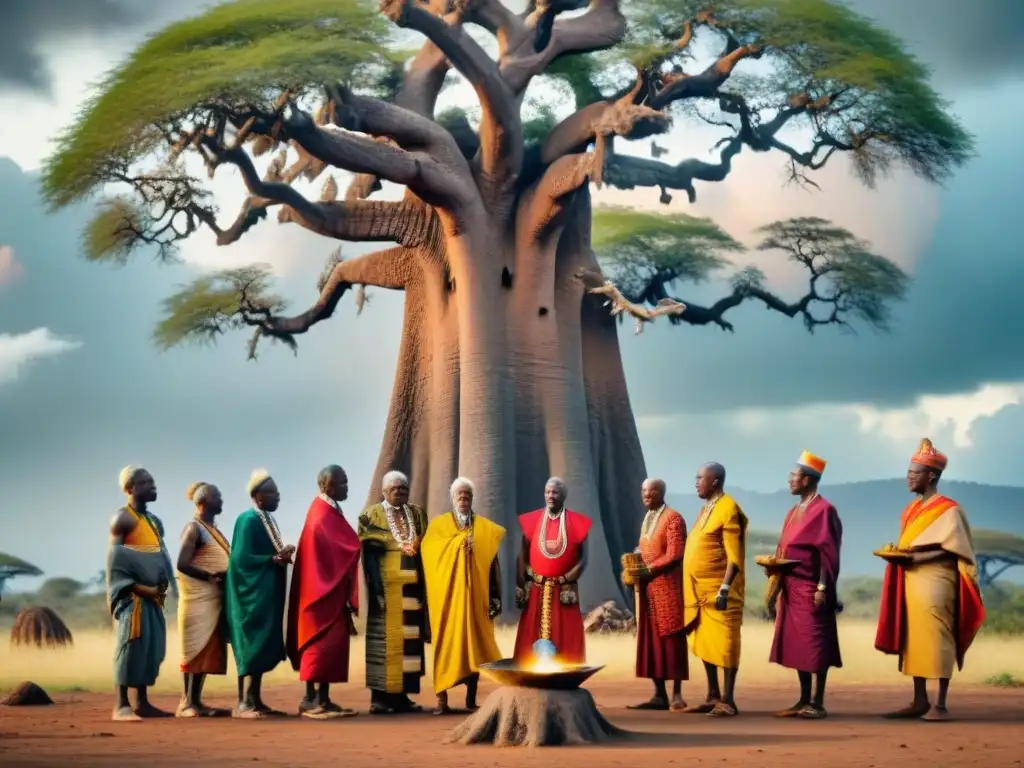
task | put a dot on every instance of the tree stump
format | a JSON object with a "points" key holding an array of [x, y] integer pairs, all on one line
{"points": [[535, 717], [40, 626], [26, 695]]}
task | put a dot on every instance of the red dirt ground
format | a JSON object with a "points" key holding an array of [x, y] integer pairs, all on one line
{"points": [[77, 732]]}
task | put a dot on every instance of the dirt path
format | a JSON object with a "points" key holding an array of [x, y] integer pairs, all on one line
{"points": [[988, 731]]}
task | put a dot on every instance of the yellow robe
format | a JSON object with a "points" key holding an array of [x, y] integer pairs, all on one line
{"points": [[930, 590], [718, 539], [458, 597]]}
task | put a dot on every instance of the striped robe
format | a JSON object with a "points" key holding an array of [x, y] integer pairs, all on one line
{"points": [[395, 635]]}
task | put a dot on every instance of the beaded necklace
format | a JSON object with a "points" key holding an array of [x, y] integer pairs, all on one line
{"points": [[563, 540], [270, 524], [402, 537]]}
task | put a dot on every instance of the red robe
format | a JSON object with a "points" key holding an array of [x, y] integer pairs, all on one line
{"points": [[325, 586], [566, 620]]}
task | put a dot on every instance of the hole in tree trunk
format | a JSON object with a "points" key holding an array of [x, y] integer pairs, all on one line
{"points": [[506, 278], [542, 311]]}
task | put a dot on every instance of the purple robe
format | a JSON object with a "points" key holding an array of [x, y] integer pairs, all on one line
{"points": [[806, 637]]}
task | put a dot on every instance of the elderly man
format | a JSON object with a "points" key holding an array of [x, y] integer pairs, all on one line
{"points": [[202, 568], [931, 601], [396, 617], [138, 574], [324, 597], [661, 653], [257, 574], [713, 589], [552, 556], [460, 562], [803, 599]]}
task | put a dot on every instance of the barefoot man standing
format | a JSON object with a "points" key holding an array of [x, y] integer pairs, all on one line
{"points": [[324, 597], [138, 574], [661, 652], [257, 572], [931, 605], [713, 588], [202, 567], [804, 599]]}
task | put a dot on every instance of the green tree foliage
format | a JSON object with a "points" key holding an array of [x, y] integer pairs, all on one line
{"points": [[11, 567], [808, 80]]}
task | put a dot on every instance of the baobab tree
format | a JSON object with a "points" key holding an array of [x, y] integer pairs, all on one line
{"points": [[509, 367]]}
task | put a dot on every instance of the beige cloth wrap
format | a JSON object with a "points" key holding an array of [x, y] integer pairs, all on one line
{"points": [[201, 603]]}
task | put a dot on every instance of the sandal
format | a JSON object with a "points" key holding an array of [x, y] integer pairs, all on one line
{"points": [[722, 709], [812, 713]]}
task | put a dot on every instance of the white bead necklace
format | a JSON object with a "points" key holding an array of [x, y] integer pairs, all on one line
{"points": [[563, 540]]}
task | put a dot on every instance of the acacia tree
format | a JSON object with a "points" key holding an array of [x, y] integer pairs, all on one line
{"points": [[509, 367]]}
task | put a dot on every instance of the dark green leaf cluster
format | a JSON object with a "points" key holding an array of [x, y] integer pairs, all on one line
{"points": [[844, 272]]}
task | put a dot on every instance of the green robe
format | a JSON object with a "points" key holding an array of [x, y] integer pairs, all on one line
{"points": [[254, 595]]}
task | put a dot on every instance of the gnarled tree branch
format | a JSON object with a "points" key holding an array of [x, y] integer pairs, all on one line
{"points": [[563, 177], [601, 27], [390, 268], [501, 128], [641, 314]]}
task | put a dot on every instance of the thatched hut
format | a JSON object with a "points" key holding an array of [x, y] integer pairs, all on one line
{"points": [[40, 626]]}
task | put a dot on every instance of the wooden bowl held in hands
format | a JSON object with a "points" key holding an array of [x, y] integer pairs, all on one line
{"points": [[892, 554], [772, 563], [632, 563]]}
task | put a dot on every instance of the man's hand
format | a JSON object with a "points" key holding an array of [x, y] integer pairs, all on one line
{"points": [[409, 549], [520, 597], [284, 557], [722, 601], [819, 598], [218, 577]]}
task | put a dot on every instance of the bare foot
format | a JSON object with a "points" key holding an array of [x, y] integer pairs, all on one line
{"points": [[701, 709], [723, 709], [125, 715], [792, 711], [677, 705], [187, 710], [915, 710], [247, 712], [811, 712], [936, 714]]}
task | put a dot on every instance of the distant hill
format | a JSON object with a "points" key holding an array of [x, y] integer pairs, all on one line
{"points": [[870, 512]]}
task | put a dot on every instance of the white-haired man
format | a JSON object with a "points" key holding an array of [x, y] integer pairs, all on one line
{"points": [[551, 560], [390, 533], [460, 563], [138, 574], [255, 594]]}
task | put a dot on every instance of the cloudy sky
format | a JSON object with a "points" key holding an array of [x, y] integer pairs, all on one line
{"points": [[83, 392]]}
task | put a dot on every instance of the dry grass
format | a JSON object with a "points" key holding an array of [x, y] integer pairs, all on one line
{"points": [[86, 666]]}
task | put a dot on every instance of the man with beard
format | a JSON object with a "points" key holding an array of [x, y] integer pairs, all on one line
{"points": [[803, 598], [396, 618], [324, 597], [552, 558], [138, 574], [257, 573], [931, 602]]}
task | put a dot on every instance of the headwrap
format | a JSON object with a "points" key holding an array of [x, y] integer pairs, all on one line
{"points": [[256, 480], [811, 464], [927, 456], [127, 475]]}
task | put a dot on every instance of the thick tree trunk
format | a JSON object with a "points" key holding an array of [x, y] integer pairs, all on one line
{"points": [[509, 378]]}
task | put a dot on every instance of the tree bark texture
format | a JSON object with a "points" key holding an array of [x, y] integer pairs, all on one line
{"points": [[534, 717], [509, 373]]}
